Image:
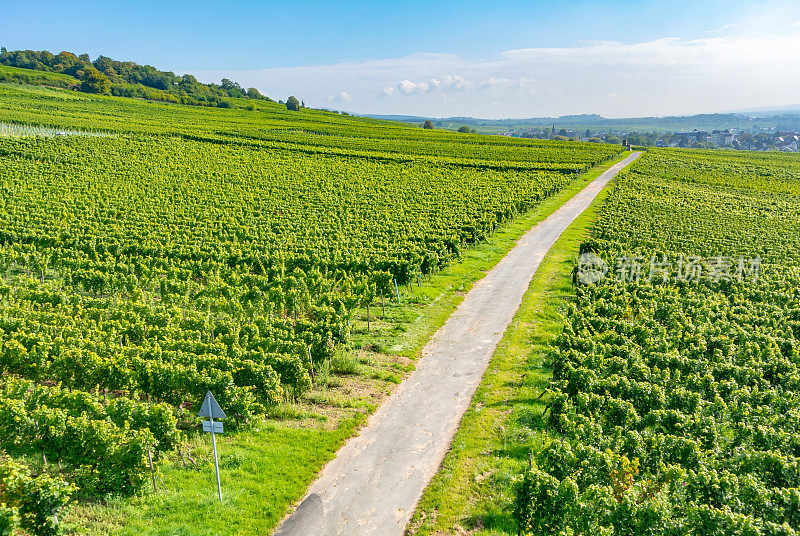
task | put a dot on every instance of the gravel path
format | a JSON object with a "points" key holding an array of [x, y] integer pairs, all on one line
{"points": [[372, 486]]}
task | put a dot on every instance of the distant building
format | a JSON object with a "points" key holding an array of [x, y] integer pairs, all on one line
{"points": [[788, 142], [721, 138], [689, 139]]}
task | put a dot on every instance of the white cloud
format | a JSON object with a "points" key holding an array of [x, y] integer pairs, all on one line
{"points": [[342, 96], [407, 87], [452, 82], [666, 52], [723, 29], [491, 83], [659, 77], [444, 83], [521, 84]]}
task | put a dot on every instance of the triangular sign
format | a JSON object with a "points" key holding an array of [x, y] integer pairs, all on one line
{"points": [[210, 408]]}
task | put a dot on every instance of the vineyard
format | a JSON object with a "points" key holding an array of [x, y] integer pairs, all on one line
{"points": [[199, 249], [673, 407]]}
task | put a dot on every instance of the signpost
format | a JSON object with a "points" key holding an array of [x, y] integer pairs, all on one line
{"points": [[211, 409]]}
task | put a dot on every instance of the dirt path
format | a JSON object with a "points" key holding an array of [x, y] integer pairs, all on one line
{"points": [[376, 479]]}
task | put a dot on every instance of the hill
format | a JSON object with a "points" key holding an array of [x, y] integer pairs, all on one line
{"points": [[121, 78], [787, 119]]}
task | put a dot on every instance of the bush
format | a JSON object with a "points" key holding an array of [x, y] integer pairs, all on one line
{"points": [[42, 499], [93, 81], [31, 503], [9, 518]]}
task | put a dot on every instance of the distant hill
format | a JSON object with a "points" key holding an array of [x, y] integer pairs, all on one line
{"points": [[770, 110], [777, 119]]}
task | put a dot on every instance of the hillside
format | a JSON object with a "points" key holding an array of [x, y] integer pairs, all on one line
{"points": [[107, 76], [15, 75], [242, 251]]}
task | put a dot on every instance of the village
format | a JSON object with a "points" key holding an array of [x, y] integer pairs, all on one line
{"points": [[756, 139]]}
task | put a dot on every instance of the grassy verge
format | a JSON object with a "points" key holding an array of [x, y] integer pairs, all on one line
{"points": [[266, 470], [473, 490]]}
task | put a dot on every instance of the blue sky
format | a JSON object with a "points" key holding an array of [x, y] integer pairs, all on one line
{"points": [[491, 59]]}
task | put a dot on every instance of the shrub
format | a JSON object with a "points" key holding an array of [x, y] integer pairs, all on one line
{"points": [[31, 503]]}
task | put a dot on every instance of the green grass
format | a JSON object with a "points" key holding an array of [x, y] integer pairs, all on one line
{"points": [[474, 487], [265, 472], [261, 472]]}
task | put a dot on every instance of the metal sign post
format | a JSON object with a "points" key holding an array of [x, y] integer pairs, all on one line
{"points": [[211, 409], [216, 462]]}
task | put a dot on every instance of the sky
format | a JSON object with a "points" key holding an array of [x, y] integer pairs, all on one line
{"points": [[493, 59]]}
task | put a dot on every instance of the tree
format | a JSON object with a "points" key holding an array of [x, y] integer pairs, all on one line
{"points": [[93, 81], [103, 63], [188, 84], [464, 129], [588, 133], [302, 104], [253, 93], [428, 125], [292, 104]]}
